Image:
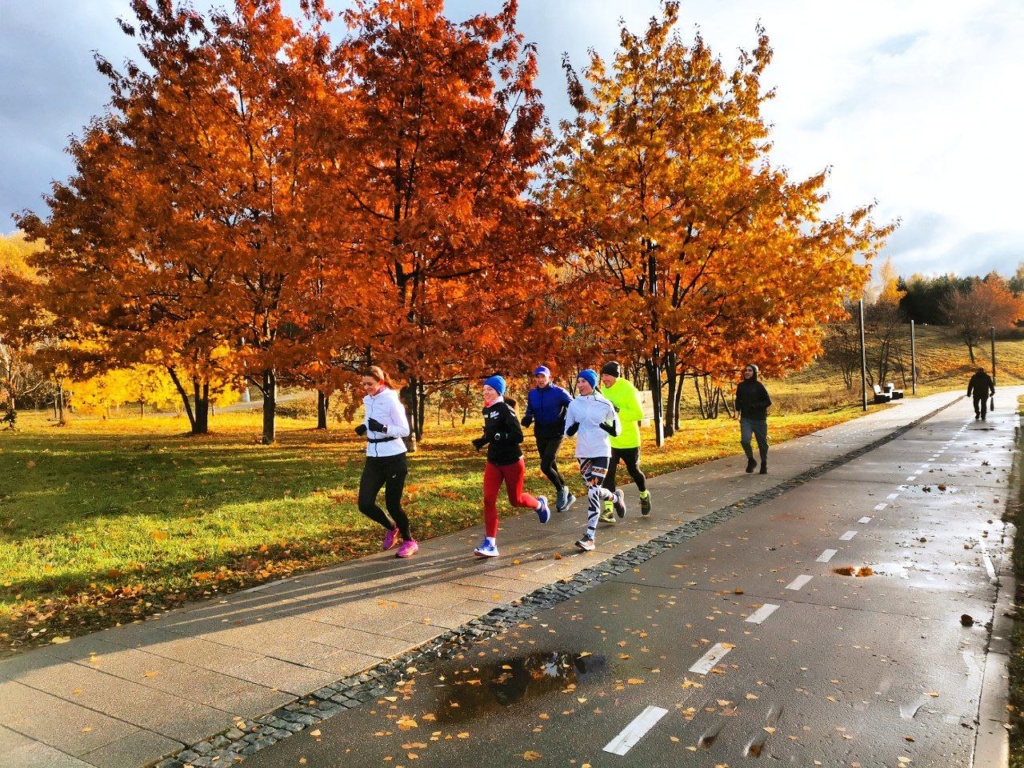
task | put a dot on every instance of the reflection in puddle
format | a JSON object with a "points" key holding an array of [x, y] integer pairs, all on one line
{"points": [[489, 687]]}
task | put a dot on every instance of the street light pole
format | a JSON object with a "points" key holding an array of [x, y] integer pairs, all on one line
{"points": [[913, 361], [993, 355], [863, 359]]}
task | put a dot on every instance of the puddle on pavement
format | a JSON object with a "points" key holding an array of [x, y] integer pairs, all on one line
{"points": [[490, 687]]}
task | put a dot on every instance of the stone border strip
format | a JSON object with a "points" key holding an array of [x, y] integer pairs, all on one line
{"points": [[233, 745]]}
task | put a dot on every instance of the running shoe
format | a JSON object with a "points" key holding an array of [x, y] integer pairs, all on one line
{"points": [[569, 501], [408, 549], [562, 499], [645, 504], [620, 503], [586, 544], [486, 549], [607, 513], [390, 539], [543, 510]]}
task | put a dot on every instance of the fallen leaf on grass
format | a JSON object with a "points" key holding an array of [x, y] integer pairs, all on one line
{"points": [[530, 756]]}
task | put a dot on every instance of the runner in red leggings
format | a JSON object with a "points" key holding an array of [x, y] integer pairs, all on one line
{"points": [[505, 464]]}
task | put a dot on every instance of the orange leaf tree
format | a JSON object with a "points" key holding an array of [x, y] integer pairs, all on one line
{"points": [[441, 138], [987, 305], [709, 255]]}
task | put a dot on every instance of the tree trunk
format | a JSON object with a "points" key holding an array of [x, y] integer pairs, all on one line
{"points": [[322, 401], [409, 397], [142, 409], [202, 395], [197, 418], [269, 405], [653, 366], [671, 417]]}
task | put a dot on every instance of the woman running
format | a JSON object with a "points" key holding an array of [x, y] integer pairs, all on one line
{"points": [[384, 425]]}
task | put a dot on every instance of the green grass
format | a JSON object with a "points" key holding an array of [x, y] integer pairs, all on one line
{"points": [[1015, 515]]}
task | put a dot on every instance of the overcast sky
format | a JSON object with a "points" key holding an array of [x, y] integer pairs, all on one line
{"points": [[914, 104]]}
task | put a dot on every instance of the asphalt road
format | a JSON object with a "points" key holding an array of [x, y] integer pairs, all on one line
{"points": [[823, 627]]}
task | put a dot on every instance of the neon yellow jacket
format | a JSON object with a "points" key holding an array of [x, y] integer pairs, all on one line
{"points": [[624, 396]]}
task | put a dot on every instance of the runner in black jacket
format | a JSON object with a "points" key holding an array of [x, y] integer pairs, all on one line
{"points": [[505, 464], [752, 403]]}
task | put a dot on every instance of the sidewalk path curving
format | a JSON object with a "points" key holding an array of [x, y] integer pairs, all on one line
{"points": [[130, 696]]}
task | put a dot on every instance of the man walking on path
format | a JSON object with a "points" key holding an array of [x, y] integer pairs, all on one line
{"points": [[752, 403], [626, 447], [982, 388], [546, 405]]}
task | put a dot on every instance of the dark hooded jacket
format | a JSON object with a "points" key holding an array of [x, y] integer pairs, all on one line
{"points": [[752, 398], [980, 385]]}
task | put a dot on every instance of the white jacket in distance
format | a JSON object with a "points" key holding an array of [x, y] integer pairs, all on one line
{"points": [[590, 412]]}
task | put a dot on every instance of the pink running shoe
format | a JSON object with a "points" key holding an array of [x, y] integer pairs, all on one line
{"points": [[408, 548], [390, 539]]}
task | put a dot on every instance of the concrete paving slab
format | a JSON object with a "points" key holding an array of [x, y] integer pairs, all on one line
{"points": [[139, 748]]}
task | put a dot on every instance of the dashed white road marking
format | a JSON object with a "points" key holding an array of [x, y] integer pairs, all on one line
{"points": [[848, 535], [892, 496], [636, 730], [880, 507], [912, 478], [707, 662], [827, 555], [798, 582], [864, 520], [762, 613]]}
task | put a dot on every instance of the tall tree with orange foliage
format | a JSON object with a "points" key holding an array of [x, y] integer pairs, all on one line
{"points": [[441, 138], [184, 234], [710, 256], [988, 305]]}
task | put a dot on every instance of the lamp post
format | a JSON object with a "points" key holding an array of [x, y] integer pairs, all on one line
{"points": [[863, 359]]}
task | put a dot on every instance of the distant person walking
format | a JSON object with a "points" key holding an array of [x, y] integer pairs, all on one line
{"points": [[626, 446], [505, 464], [384, 425], [752, 402], [545, 409], [982, 387], [592, 418]]}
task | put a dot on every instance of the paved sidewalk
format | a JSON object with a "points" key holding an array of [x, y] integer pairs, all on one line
{"points": [[132, 695]]}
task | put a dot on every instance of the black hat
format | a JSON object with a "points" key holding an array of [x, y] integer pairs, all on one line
{"points": [[612, 369]]}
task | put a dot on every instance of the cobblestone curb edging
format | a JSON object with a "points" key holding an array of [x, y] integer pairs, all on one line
{"points": [[235, 744]]}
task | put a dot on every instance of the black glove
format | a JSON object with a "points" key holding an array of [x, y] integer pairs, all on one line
{"points": [[480, 442], [572, 430], [375, 425], [609, 428], [361, 430], [527, 420]]}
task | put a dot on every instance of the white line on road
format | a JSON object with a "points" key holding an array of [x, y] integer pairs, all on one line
{"points": [[892, 496], [848, 535], [988, 563], [912, 478], [799, 582], [707, 662], [635, 731], [880, 507], [864, 520], [827, 555], [762, 613]]}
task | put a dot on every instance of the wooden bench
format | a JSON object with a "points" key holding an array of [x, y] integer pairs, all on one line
{"points": [[881, 396]]}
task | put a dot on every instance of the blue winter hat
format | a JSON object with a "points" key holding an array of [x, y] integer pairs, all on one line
{"points": [[496, 383], [589, 375], [542, 369]]}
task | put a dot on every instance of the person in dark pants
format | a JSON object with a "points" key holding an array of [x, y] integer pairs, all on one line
{"points": [[626, 447], [752, 402], [384, 425], [981, 387], [545, 409]]}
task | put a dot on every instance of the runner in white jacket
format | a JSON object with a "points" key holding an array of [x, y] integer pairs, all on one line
{"points": [[593, 419]]}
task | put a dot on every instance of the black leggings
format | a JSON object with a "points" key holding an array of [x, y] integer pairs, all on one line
{"points": [[631, 458], [386, 472], [547, 447]]}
